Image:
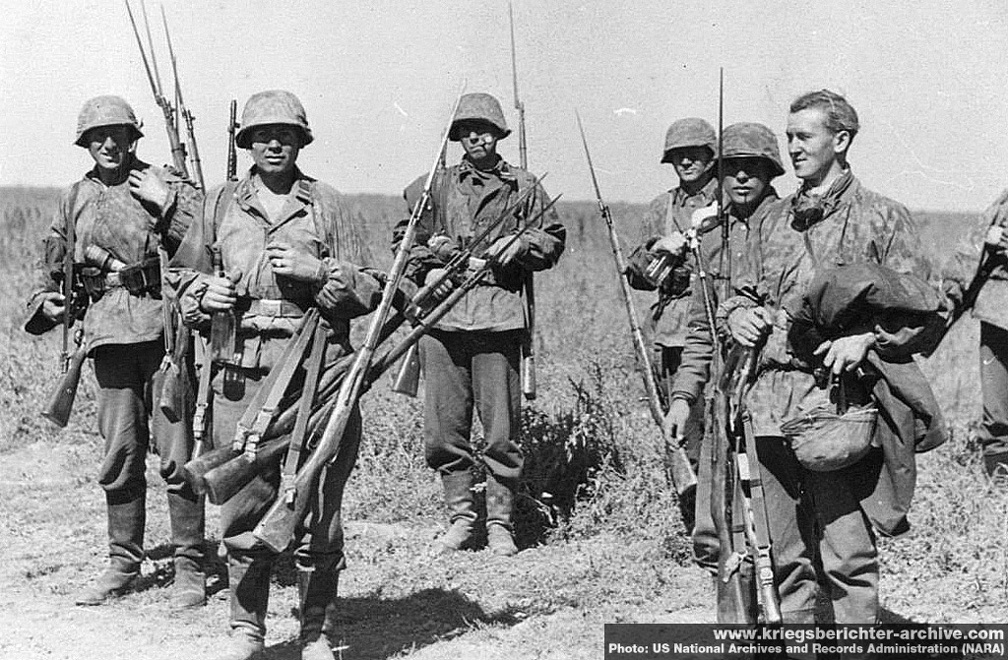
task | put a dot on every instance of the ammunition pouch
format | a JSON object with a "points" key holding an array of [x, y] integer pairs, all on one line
{"points": [[139, 279], [824, 440]]}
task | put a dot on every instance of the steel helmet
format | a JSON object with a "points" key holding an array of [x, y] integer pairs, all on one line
{"points": [[752, 140], [689, 132], [106, 110], [275, 106], [482, 107]]}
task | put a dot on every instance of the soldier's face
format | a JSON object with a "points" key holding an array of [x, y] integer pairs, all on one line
{"points": [[275, 148], [479, 140], [109, 145], [814, 149], [692, 163], [746, 179]]}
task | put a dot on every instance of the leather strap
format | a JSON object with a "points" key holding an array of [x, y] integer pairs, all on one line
{"points": [[312, 370]]}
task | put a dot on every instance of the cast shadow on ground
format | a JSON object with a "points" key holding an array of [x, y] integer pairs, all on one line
{"points": [[375, 628]]}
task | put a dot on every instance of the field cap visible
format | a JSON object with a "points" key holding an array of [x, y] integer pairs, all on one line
{"points": [[689, 132], [479, 106], [107, 110], [275, 106], [752, 140]]}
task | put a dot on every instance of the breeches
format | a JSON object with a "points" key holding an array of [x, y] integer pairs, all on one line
{"points": [[128, 390], [466, 371], [994, 380]]}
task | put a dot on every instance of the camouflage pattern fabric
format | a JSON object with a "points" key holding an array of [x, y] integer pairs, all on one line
{"points": [[463, 201], [110, 217], [666, 325]]}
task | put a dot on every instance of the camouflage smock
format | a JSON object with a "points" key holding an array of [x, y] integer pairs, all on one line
{"points": [[858, 225], [464, 200], [694, 370], [991, 305], [668, 212], [112, 218], [314, 220]]}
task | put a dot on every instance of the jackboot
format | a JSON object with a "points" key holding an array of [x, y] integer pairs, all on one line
{"points": [[126, 520], [500, 507], [186, 512], [248, 582], [461, 510], [317, 588]]}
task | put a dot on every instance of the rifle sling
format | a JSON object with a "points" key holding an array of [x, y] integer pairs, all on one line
{"points": [[263, 405], [313, 369]]}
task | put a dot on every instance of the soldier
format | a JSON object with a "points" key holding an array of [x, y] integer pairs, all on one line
{"points": [[690, 146], [751, 162], [288, 243], [123, 210], [988, 294], [831, 220], [470, 359]]}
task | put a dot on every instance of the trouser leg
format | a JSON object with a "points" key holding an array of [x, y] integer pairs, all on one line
{"points": [[447, 428], [791, 529], [846, 547], [993, 433], [122, 424], [497, 398], [705, 538]]}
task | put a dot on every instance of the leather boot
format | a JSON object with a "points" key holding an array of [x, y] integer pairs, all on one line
{"points": [[126, 520], [317, 588], [248, 582], [186, 512], [500, 506], [461, 511]]}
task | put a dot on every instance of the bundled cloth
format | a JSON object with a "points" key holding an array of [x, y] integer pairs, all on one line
{"points": [[901, 415]]}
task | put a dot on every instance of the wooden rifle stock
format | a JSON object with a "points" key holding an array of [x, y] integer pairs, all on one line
{"points": [[679, 469], [61, 401]]}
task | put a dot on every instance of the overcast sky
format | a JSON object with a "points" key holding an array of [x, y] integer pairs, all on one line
{"points": [[378, 78]]}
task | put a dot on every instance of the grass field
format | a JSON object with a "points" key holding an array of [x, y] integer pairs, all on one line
{"points": [[616, 555]]}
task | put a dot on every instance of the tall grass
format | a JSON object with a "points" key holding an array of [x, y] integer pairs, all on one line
{"points": [[592, 460]]}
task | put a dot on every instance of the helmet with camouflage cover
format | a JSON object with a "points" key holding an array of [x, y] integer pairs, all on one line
{"points": [[479, 106], [105, 110], [689, 132], [752, 140], [275, 106]]}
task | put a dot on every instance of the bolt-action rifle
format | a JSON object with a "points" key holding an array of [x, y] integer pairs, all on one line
{"points": [[222, 472], [277, 528], [679, 469], [528, 373], [455, 262], [60, 403]]}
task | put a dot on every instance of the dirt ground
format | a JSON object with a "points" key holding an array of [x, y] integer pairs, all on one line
{"points": [[398, 599]]}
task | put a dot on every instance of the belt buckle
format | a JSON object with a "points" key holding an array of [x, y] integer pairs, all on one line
{"points": [[270, 307]]}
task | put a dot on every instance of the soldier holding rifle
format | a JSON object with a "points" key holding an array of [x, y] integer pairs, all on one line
{"points": [[288, 246], [831, 221], [117, 216], [471, 358], [751, 162], [690, 147]]}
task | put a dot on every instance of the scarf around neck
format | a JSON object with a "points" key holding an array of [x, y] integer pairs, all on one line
{"points": [[808, 209]]}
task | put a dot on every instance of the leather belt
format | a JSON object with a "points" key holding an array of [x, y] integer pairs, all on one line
{"points": [[272, 307]]}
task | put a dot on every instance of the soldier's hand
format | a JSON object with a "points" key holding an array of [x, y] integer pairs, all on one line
{"points": [[997, 238], [287, 261], [442, 246], [444, 287], [505, 249], [53, 306], [149, 186], [675, 244], [220, 294], [750, 326], [845, 353], [675, 419]]}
